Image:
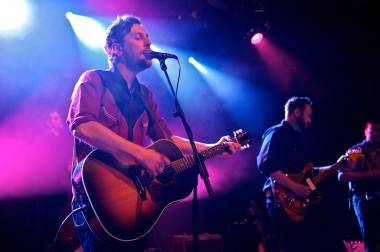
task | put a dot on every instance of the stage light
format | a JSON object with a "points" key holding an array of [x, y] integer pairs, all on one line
{"points": [[257, 32], [155, 48], [89, 31], [197, 65], [14, 16], [256, 38]]}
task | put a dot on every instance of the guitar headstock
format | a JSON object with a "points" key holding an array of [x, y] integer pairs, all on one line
{"points": [[354, 154], [242, 137]]}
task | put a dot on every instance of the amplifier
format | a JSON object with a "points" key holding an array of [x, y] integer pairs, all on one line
{"points": [[354, 246], [207, 243]]}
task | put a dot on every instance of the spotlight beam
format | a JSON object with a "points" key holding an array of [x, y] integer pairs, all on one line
{"points": [[197, 65], [88, 30]]}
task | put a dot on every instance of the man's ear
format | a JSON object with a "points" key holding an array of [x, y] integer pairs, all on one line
{"points": [[297, 112], [116, 49]]}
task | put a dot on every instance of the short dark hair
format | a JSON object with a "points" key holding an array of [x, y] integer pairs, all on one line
{"points": [[372, 121], [118, 29], [297, 102]]}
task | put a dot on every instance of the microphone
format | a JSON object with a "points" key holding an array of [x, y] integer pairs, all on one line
{"points": [[159, 55]]}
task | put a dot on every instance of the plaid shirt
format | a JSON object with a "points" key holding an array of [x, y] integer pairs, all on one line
{"points": [[370, 161]]}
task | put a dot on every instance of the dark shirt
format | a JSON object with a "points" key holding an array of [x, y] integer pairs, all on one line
{"points": [[109, 102], [283, 149], [370, 161]]}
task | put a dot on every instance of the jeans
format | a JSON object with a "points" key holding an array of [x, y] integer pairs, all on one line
{"points": [[85, 236], [367, 211], [90, 243], [304, 236]]}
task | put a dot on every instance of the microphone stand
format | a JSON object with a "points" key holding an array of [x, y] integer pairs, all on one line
{"points": [[200, 167]]}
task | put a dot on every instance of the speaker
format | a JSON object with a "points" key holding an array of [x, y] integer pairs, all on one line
{"points": [[207, 243]]}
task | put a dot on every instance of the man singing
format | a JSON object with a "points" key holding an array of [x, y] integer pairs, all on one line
{"points": [[112, 111]]}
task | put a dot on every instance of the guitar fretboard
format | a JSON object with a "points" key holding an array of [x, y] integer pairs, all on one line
{"points": [[188, 162], [324, 174]]}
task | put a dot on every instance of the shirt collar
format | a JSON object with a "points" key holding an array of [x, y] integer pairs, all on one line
{"points": [[118, 78], [286, 124], [289, 127]]}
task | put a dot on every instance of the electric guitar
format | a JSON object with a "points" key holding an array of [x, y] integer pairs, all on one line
{"points": [[124, 201], [294, 206]]}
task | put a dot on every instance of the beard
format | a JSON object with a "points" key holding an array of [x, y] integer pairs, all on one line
{"points": [[137, 65], [301, 123], [144, 64], [140, 65]]}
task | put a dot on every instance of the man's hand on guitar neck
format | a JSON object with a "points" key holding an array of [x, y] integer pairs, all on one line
{"points": [[300, 190], [184, 144], [155, 162], [232, 146]]}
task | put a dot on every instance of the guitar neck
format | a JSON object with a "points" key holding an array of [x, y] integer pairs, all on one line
{"points": [[188, 162], [326, 173], [214, 151]]}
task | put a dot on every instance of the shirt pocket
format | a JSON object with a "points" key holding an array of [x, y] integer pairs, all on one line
{"points": [[140, 128], [143, 122], [109, 115]]}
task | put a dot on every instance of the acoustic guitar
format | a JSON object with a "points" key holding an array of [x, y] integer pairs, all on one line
{"points": [[124, 201]]}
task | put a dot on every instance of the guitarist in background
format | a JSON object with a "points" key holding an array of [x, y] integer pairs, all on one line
{"points": [[111, 111], [364, 183], [283, 151]]}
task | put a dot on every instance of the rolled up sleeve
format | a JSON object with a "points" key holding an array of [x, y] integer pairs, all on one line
{"points": [[86, 100]]}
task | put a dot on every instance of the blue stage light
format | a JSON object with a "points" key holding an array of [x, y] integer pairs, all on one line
{"points": [[197, 65], [89, 31]]}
